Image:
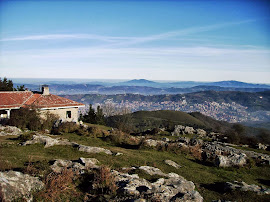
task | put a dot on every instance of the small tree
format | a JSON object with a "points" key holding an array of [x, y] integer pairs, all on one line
{"points": [[6, 85], [21, 88], [90, 117], [100, 116]]}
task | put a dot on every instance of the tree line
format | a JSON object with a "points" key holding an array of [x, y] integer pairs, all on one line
{"points": [[7, 85], [94, 117]]}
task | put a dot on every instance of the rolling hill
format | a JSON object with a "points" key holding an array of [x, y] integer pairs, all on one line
{"points": [[144, 120]]}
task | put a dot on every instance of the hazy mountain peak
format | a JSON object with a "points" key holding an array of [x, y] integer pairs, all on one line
{"points": [[140, 81]]}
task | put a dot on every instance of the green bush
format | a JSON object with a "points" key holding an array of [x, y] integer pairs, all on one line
{"points": [[121, 139], [49, 121], [25, 118], [66, 127], [26, 136], [82, 131], [30, 118]]}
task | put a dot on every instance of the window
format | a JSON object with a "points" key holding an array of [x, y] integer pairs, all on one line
{"points": [[68, 114]]}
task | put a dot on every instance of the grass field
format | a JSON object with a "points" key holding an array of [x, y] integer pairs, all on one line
{"points": [[206, 178]]}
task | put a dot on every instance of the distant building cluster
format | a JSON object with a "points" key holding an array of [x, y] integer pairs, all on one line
{"points": [[231, 112]]}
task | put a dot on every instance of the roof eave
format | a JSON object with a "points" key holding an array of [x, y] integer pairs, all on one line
{"points": [[63, 107]]}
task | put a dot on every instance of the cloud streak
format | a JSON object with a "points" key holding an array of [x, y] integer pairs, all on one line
{"points": [[64, 36], [123, 40]]}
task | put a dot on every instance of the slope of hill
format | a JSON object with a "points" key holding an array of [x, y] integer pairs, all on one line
{"points": [[210, 123], [144, 120], [238, 84]]}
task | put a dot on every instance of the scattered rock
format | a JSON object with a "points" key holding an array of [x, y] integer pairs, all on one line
{"points": [[172, 163], [16, 184], [184, 140], [195, 142], [201, 132], [152, 170], [94, 150], [59, 165], [189, 130], [9, 130], [232, 160], [46, 140], [242, 186], [153, 143], [212, 150], [178, 130], [175, 188], [77, 166], [89, 162], [165, 139], [261, 146]]}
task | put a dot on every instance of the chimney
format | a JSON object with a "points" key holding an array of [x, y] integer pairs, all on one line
{"points": [[45, 90]]}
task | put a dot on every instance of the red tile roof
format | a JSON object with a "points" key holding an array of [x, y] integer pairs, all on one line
{"points": [[17, 99], [13, 99], [51, 101]]}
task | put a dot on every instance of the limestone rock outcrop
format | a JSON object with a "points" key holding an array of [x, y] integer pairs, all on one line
{"points": [[170, 188], [153, 143], [9, 130], [46, 140], [16, 184], [77, 166], [232, 160], [94, 150], [242, 186]]}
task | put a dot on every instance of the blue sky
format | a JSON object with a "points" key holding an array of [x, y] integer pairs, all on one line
{"points": [[156, 40]]}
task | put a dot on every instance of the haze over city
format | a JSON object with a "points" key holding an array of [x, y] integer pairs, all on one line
{"points": [[155, 40]]}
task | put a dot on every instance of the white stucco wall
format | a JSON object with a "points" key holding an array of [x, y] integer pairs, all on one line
{"points": [[62, 113]]}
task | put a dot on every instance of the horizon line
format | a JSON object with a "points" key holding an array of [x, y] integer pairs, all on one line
{"points": [[96, 79]]}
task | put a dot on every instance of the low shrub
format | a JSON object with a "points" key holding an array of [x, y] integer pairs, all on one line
{"points": [[95, 131], [66, 127], [49, 121], [92, 131], [122, 139], [104, 181], [58, 187], [82, 131], [196, 152], [25, 137]]}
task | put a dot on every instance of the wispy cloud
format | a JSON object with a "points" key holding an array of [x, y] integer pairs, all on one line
{"points": [[184, 32], [64, 36], [126, 40]]}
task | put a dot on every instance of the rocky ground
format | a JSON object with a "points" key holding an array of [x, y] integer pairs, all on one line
{"points": [[136, 182]]}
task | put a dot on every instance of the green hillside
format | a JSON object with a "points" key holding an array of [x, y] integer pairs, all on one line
{"points": [[210, 123], [144, 120], [172, 116]]}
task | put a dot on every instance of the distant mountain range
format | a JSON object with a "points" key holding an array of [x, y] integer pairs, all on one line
{"points": [[144, 87]]}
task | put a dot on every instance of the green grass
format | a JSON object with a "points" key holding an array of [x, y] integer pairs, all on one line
{"points": [[15, 156]]}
